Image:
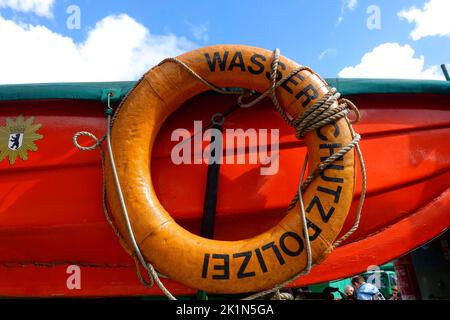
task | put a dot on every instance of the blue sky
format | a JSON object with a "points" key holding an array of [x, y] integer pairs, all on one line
{"points": [[327, 35]]}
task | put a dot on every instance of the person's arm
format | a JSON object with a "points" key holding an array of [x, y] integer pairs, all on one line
{"points": [[362, 296]]}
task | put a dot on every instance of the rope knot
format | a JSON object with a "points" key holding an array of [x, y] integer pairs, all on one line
{"points": [[109, 111], [329, 109], [96, 144]]}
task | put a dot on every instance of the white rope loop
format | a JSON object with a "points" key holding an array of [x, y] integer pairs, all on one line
{"points": [[96, 144]]}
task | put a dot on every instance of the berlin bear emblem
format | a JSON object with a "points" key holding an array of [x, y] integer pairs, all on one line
{"points": [[15, 141], [18, 137]]}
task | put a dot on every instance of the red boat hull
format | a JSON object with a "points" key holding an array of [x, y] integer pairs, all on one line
{"points": [[51, 212]]}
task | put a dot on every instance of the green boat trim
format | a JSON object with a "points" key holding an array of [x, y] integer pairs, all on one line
{"points": [[97, 91]]}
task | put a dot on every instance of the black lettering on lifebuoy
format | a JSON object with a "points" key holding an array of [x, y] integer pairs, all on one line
{"points": [[335, 134], [299, 76], [225, 267], [332, 179], [275, 250], [309, 92], [325, 216], [331, 147], [237, 56], [254, 60], [279, 73], [285, 85], [315, 228], [335, 193], [247, 256], [261, 261], [297, 238], [222, 61], [205, 266]]}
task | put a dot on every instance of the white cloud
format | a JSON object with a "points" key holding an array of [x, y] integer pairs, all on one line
{"points": [[351, 4], [346, 4], [391, 60], [42, 8], [432, 20], [327, 53], [117, 48], [199, 32]]}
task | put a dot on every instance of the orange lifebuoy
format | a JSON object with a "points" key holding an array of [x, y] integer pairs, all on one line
{"points": [[226, 266]]}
